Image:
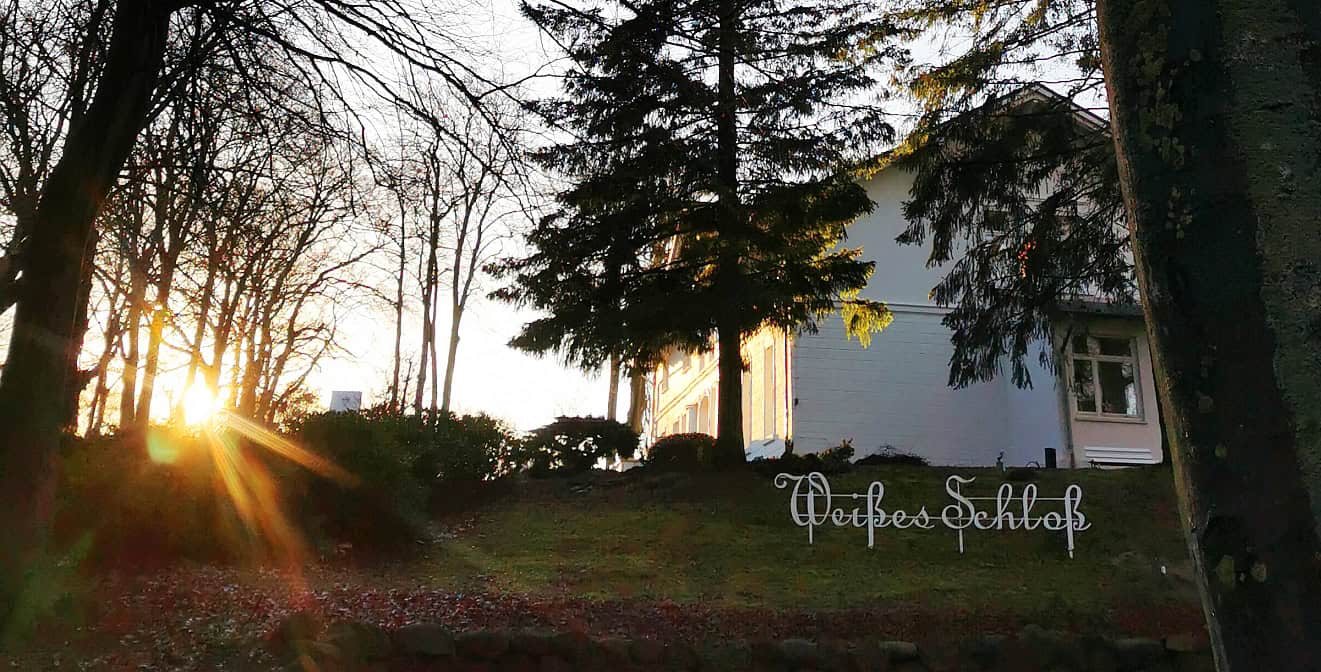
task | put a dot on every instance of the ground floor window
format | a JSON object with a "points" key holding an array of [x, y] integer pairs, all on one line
{"points": [[1104, 376]]}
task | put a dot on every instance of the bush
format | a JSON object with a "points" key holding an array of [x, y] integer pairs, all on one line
{"points": [[833, 460], [387, 503], [692, 452], [891, 456], [467, 448], [144, 499], [159, 496], [575, 444]]}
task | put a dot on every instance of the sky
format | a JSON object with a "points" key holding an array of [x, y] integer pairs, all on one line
{"points": [[524, 390]]}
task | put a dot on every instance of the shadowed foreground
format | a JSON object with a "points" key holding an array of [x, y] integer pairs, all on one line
{"points": [[673, 558]]}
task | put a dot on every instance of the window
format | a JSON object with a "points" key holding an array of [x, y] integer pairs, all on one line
{"points": [[664, 377], [1104, 376]]}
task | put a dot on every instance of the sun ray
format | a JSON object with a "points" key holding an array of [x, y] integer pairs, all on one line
{"points": [[286, 448]]}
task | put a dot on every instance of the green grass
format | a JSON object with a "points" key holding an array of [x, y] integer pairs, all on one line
{"points": [[729, 541]]}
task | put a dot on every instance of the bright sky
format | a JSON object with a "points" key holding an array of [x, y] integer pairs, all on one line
{"points": [[524, 390]]}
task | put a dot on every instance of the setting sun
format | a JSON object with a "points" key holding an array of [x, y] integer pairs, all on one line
{"points": [[200, 405]]}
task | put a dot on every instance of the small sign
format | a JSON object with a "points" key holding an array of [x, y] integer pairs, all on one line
{"points": [[812, 505], [341, 401]]}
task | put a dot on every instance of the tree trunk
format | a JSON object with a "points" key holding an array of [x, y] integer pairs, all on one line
{"points": [[1216, 106], [35, 400], [612, 396], [637, 398], [434, 358], [155, 333], [729, 427], [199, 332], [451, 357], [128, 389], [428, 319], [396, 397]]}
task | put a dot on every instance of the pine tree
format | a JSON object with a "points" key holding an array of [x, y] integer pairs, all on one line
{"points": [[993, 139], [711, 178]]}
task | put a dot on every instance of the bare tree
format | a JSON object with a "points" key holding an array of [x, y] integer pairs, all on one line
{"points": [[485, 169], [112, 98]]}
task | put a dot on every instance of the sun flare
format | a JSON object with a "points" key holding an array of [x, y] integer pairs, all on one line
{"points": [[200, 405]]}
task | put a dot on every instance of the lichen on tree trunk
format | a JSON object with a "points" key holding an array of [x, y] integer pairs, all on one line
{"points": [[1216, 109]]}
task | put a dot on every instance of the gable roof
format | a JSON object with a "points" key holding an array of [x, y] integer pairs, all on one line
{"points": [[1026, 95]]}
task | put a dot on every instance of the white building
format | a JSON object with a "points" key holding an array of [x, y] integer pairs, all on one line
{"points": [[821, 389]]}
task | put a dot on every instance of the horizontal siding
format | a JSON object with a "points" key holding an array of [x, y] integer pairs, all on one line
{"points": [[895, 393]]}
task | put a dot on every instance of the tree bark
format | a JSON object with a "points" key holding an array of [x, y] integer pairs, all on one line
{"points": [[429, 289], [155, 333], [451, 357], [729, 427], [612, 396], [137, 297], [1216, 108], [637, 398], [35, 399], [396, 397]]}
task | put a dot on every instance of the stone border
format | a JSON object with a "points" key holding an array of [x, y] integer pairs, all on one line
{"points": [[301, 642]]}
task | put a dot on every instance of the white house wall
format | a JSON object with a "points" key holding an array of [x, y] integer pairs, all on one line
{"points": [[896, 393], [688, 400]]}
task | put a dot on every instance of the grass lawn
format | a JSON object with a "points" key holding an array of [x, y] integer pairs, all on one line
{"points": [[729, 540], [676, 557]]}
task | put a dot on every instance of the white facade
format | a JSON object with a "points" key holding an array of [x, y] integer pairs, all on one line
{"points": [[821, 389]]}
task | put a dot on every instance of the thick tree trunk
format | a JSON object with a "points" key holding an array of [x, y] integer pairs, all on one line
{"points": [[35, 401], [637, 398], [729, 427], [612, 393], [1216, 106]]}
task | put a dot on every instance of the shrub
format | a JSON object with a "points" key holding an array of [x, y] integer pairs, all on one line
{"points": [[575, 444], [159, 496], [386, 505], [892, 456], [143, 499], [427, 457], [838, 458], [833, 460], [465, 448], [692, 452]]}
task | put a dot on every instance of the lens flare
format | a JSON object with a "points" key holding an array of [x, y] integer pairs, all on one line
{"points": [[253, 490], [200, 405]]}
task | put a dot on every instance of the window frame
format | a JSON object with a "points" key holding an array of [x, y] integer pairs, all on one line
{"points": [[1093, 360]]}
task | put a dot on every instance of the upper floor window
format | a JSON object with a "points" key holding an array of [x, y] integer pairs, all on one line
{"points": [[664, 375], [1104, 376]]}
